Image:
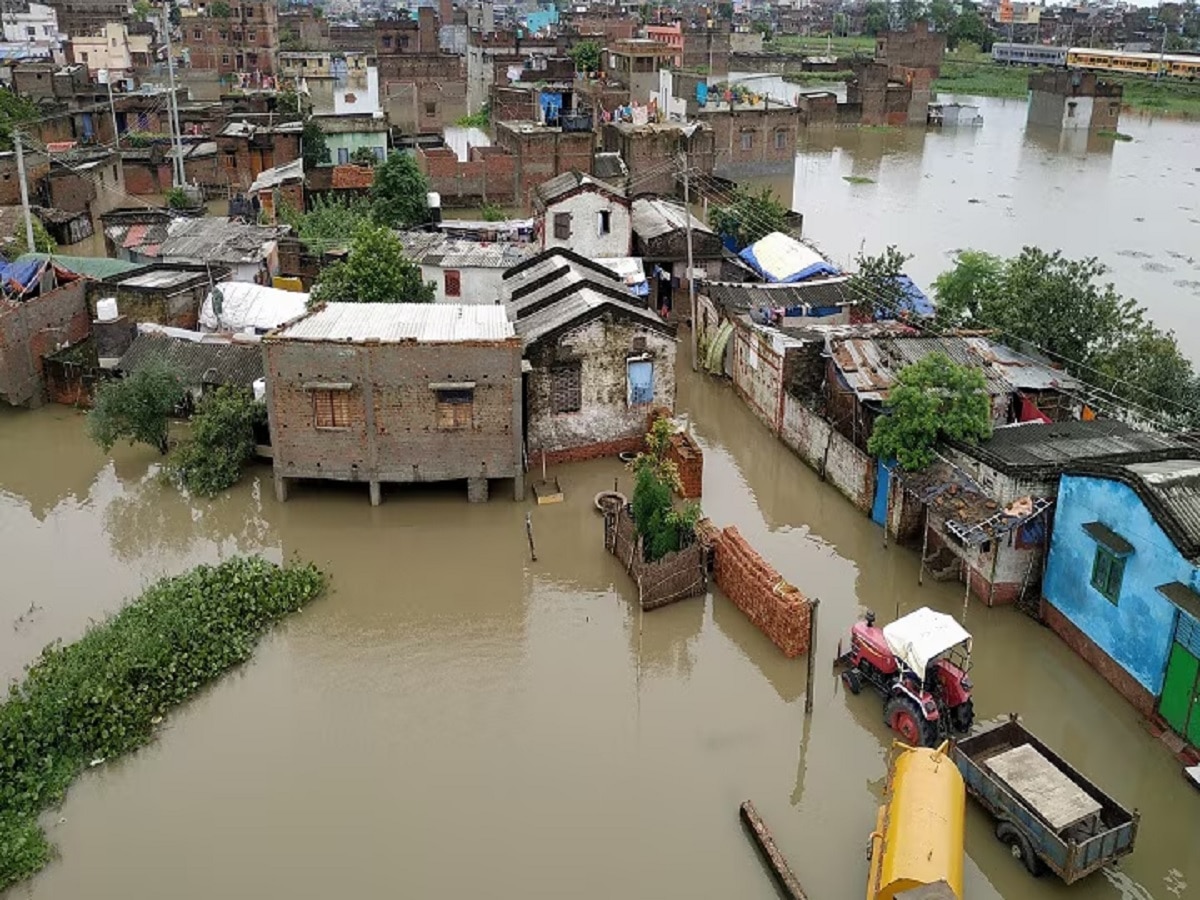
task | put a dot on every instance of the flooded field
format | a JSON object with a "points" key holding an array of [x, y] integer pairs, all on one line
{"points": [[453, 719], [1135, 205]]}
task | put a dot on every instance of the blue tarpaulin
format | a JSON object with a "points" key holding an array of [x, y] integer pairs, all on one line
{"points": [[782, 259], [18, 276], [702, 93], [914, 303]]}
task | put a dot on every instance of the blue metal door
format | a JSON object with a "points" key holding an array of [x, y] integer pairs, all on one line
{"points": [[883, 478], [641, 382]]}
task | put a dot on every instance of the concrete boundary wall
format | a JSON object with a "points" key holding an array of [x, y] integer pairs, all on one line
{"points": [[835, 458]]}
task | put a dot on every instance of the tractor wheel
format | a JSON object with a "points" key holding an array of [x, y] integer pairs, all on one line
{"points": [[903, 717], [853, 679], [1020, 847], [963, 716]]}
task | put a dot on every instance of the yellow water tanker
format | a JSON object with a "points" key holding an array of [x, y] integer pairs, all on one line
{"points": [[918, 837]]}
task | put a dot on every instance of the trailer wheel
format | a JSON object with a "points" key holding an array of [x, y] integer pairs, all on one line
{"points": [[853, 679], [1020, 847], [902, 716]]}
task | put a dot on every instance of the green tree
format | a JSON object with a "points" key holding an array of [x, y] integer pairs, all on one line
{"points": [[749, 216], [42, 242], [220, 10], [142, 10], [330, 223], [399, 194], [137, 408], [490, 212], [876, 20], [943, 16], [876, 286], [933, 398], [908, 12], [587, 56], [221, 443], [375, 271], [663, 528], [971, 28], [364, 156], [313, 148], [13, 111]]}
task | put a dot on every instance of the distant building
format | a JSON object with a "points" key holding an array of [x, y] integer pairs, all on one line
{"points": [[162, 294], [80, 17], [1122, 581], [396, 392], [244, 42], [202, 362], [36, 26], [346, 135], [584, 214], [112, 50], [541, 152], [1074, 100]]}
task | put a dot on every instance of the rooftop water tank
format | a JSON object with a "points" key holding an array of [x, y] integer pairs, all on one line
{"points": [[106, 309]]}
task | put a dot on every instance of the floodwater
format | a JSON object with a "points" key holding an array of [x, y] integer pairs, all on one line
{"points": [[453, 719], [1134, 205]]}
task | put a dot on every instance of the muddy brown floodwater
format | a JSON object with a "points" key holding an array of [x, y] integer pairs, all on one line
{"points": [[453, 720]]}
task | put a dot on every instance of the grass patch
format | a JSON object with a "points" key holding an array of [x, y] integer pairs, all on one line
{"points": [[818, 77], [858, 179], [1115, 135], [104, 694]]}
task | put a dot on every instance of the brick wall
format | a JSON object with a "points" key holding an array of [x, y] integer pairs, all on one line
{"points": [[144, 176], [488, 175], [392, 435], [753, 139], [177, 305], [689, 460], [1111, 670], [33, 329], [752, 584], [542, 153]]}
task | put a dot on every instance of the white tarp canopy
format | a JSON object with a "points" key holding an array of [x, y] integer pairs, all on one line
{"points": [[246, 305], [919, 637]]}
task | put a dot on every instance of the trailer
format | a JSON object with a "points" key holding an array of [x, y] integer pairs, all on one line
{"points": [[1049, 814]]}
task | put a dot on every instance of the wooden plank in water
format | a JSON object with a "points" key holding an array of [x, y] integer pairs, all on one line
{"points": [[779, 867]]}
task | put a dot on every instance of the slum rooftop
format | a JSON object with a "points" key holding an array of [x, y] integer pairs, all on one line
{"points": [[391, 323], [735, 297], [432, 248], [653, 217]]}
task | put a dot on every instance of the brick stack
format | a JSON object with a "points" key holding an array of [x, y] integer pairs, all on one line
{"points": [[689, 460], [779, 610]]}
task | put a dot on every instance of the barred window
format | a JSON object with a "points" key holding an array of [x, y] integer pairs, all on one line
{"points": [[566, 388], [455, 409], [562, 226], [331, 409]]}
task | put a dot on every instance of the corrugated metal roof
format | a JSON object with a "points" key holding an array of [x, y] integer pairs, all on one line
{"points": [[435, 249], [740, 296], [97, 267], [870, 366], [219, 240], [561, 185], [1021, 370], [439, 323], [654, 217], [269, 179], [1170, 488], [574, 305], [196, 362]]}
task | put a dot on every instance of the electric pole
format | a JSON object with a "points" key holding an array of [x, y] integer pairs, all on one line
{"points": [[687, 218], [24, 190], [113, 108], [177, 141]]}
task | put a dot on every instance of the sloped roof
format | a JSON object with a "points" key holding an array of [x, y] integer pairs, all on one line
{"points": [[218, 240], [737, 297], [609, 167], [273, 178], [579, 304], [247, 305], [441, 323], [197, 362], [432, 248], [538, 265], [870, 365], [780, 257], [98, 267], [567, 183], [654, 217]]}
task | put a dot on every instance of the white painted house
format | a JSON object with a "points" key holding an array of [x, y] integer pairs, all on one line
{"points": [[584, 214], [462, 271]]}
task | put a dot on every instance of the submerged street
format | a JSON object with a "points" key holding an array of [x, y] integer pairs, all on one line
{"points": [[453, 719]]}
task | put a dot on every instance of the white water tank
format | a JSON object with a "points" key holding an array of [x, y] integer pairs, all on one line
{"points": [[260, 389], [106, 309]]}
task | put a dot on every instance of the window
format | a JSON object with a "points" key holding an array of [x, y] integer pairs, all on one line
{"points": [[225, 59], [197, 34], [453, 283], [562, 226], [781, 139], [380, 153], [31, 31], [605, 222], [331, 409], [223, 35], [1107, 571], [430, 108], [566, 388], [641, 381], [1071, 110], [387, 42], [251, 36], [343, 156], [455, 408], [747, 140]]}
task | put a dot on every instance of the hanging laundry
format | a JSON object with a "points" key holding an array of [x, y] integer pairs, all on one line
{"points": [[1087, 415], [1030, 413]]}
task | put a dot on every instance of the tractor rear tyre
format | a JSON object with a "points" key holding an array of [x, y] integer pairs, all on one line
{"points": [[902, 715], [1020, 847], [853, 679], [963, 716]]}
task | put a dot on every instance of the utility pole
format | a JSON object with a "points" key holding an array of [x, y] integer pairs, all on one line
{"points": [[113, 108], [24, 190], [176, 141], [687, 218], [1162, 53]]}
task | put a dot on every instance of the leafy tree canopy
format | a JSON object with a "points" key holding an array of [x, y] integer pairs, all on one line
{"points": [[137, 408], [749, 217], [663, 528], [398, 195], [314, 148], [587, 56], [933, 398], [876, 286], [221, 443], [13, 111], [877, 21], [330, 223], [375, 271]]}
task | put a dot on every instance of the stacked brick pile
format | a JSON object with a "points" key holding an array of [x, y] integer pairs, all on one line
{"points": [[689, 460], [776, 607]]}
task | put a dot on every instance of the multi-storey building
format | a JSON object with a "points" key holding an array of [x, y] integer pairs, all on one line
{"points": [[247, 40]]}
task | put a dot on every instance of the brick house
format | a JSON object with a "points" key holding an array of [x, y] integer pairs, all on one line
{"points": [[396, 392], [752, 138], [245, 41], [33, 328], [247, 150], [598, 360], [587, 215], [162, 294], [541, 152], [645, 149]]}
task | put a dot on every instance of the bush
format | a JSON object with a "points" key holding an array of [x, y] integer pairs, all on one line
{"points": [[221, 443], [136, 407], [103, 695], [663, 528]]}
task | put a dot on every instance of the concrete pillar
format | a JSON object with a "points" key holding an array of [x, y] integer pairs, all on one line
{"points": [[376, 493], [477, 490], [519, 485], [281, 488]]}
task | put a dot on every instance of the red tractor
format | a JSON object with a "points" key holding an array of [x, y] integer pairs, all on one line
{"points": [[919, 663]]}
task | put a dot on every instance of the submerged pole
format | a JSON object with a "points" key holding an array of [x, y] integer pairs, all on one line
{"points": [[780, 870], [529, 534], [810, 685]]}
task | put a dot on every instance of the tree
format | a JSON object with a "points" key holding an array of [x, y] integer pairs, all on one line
{"points": [[1044, 303], [749, 217], [142, 10], [220, 10], [364, 156], [876, 20], [330, 223], [221, 443], [943, 17], [908, 12], [877, 288], [42, 242], [13, 111], [933, 398], [375, 271], [136, 407], [970, 27], [663, 528], [313, 148], [398, 195], [587, 56]]}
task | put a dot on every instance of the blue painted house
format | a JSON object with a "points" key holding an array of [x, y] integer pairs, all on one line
{"points": [[1122, 582]]}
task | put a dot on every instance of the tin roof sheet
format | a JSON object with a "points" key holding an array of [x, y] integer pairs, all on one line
{"points": [[654, 217], [436, 249], [437, 323], [870, 365]]}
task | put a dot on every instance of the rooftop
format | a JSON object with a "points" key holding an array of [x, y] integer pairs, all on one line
{"points": [[568, 182], [91, 266], [197, 361], [1170, 488], [351, 123], [437, 249], [393, 323], [654, 217], [870, 366], [578, 303], [269, 179], [742, 297]]}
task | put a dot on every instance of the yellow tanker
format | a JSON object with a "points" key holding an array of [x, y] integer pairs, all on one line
{"points": [[918, 836]]}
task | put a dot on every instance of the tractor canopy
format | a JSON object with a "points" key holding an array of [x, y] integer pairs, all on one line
{"points": [[918, 638]]}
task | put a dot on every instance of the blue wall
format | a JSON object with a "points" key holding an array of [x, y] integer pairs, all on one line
{"points": [[540, 19], [1138, 630]]}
